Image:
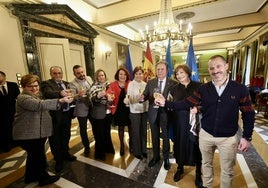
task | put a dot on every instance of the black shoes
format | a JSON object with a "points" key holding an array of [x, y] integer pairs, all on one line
{"points": [[100, 156], [70, 157], [166, 164], [58, 167], [198, 181], [153, 162], [48, 180], [138, 157], [178, 174], [30, 180], [86, 152], [144, 155]]}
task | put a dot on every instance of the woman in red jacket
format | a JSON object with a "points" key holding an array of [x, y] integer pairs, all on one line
{"points": [[117, 92]]}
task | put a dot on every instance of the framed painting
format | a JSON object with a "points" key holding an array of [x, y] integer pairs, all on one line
{"points": [[260, 63], [121, 54]]}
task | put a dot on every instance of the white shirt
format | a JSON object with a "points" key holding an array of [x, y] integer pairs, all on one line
{"points": [[134, 89]]}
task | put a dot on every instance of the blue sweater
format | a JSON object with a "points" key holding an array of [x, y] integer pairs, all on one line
{"points": [[220, 113]]}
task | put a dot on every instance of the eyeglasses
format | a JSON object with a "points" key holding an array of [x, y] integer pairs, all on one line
{"points": [[33, 86]]}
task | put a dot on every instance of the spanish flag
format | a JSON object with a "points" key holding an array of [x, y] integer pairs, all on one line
{"points": [[148, 65]]}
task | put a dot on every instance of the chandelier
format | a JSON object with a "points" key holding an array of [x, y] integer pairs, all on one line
{"points": [[166, 29]]}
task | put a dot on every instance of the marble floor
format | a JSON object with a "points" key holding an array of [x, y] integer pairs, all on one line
{"points": [[127, 171]]}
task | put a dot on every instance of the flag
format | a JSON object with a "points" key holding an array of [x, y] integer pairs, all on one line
{"points": [[148, 64], [191, 62], [129, 66], [168, 60]]}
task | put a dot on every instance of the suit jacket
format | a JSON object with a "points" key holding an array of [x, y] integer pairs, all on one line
{"points": [[82, 105], [50, 90], [148, 95], [32, 120], [7, 107]]}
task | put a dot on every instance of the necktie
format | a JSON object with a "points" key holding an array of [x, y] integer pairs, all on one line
{"points": [[60, 86], [4, 90], [65, 106], [160, 86]]}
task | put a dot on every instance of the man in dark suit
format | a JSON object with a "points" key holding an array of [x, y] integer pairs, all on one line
{"points": [[61, 119], [158, 115], [8, 95]]}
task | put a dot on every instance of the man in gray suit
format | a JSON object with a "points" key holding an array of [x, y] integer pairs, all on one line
{"points": [[158, 115], [80, 86]]}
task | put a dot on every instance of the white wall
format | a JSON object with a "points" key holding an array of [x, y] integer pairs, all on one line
{"points": [[109, 65], [12, 56]]}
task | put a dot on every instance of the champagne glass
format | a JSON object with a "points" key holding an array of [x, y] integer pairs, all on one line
{"points": [[127, 98], [70, 93], [156, 93], [141, 100], [82, 88]]}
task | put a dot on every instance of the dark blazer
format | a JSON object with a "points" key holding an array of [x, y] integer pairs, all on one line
{"points": [[7, 107], [148, 95], [51, 90], [7, 112]]}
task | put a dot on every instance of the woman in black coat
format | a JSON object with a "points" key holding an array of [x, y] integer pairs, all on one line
{"points": [[186, 150]]}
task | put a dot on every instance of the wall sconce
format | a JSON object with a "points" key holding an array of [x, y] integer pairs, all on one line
{"points": [[108, 52]]}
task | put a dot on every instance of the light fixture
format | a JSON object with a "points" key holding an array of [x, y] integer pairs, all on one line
{"points": [[167, 29], [108, 52]]}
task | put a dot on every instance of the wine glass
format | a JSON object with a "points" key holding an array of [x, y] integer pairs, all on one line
{"points": [[83, 89], [141, 100], [127, 100], [70, 93], [156, 93]]}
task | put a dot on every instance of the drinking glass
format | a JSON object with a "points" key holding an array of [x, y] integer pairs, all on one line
{"points": [[127, 98], [141, 100], [156, 93]]}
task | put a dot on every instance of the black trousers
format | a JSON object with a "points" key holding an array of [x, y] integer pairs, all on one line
{"points": [[36, 163], [59, 141], [160, 123], [98, 128]]}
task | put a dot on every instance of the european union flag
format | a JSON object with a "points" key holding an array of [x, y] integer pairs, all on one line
{"points": [[168, 60], [129, 66], [191, 62]]}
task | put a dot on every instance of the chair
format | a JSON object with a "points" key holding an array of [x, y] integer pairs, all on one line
{"points": [[262, 103]]}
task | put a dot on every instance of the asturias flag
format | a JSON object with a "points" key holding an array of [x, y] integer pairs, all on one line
{"points": [[129, 66], [168, 60], [148, 64], [191, 62]]}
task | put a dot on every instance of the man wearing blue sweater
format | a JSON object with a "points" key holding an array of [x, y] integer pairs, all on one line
{"points": [[220, 100]]}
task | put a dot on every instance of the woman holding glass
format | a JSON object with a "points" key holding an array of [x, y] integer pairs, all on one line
{"points": [[138, 113], [186, 150], [32, 125], [101, 116], [117, 92]]}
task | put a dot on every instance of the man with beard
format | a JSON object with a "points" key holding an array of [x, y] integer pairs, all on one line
{"points": [[61, 119], [220, 101], [80, 87]]}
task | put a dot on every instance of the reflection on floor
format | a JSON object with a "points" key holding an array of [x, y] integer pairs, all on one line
{"points": [[127, 171]]}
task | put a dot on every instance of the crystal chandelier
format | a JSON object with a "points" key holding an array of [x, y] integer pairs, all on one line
{"points": [[167, 29]]}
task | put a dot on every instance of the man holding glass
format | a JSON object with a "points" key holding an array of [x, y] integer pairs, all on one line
{"points": [[61, 119], [80, 87], [158, 115]]}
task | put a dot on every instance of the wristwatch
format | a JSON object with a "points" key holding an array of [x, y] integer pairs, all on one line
{"points": [[248, 139]]}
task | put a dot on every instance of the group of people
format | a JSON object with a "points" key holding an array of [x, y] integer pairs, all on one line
{"points": [[163, 102]]}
